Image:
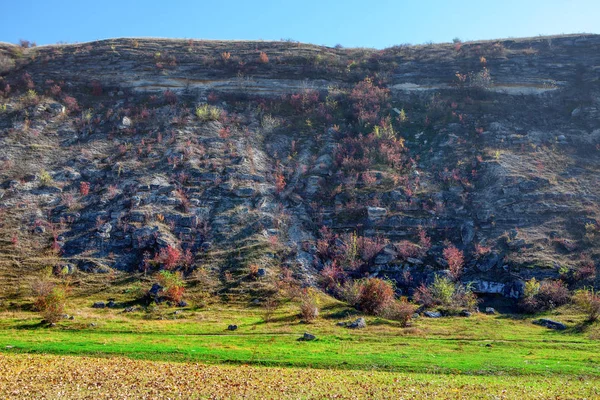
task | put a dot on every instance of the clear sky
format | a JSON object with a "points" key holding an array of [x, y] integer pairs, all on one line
{"points": [[351, 23]]}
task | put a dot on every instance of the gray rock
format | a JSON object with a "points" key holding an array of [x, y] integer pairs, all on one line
{"points": [[490, 310], [551, 324], [98, 304], [307, 337], [232, 327], [376, 213], [487, 287], [360, 323], [155, 291], [465, 313], [125, 123], [432, 314], [245, 192], [467, 232]]}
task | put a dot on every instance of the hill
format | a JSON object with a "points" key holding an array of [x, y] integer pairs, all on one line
{"points": [[241, 162]]}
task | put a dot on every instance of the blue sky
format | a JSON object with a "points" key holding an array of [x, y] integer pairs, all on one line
{"points": [[351, 23]]}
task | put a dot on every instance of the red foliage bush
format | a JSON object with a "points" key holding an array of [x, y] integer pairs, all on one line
{"points": [[71, 103], [305, 100], [168, 256], [375, 295], [170, 96], [84, 188], [332, 276], [279, 182], [263, 58], [455, 259], [368, 248], [367, 100]]}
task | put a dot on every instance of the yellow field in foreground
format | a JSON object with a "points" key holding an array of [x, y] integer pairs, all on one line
{"points": [[24, 376]]}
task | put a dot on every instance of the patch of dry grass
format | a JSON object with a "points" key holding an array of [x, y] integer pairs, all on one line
{"points": [[49, 377]]}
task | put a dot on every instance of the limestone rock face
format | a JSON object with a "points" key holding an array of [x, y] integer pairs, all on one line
{"points": [[192, 158]]}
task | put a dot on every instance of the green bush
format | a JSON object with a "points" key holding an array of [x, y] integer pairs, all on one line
{"points": [[173, 285], [206, 112], [45, 178], [446, 294]]}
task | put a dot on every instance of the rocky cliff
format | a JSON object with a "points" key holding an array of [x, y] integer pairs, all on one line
{"points": [[246, 158]]}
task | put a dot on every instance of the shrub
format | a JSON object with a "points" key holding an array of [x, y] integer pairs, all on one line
{"points": [[553, 294], [399, 310], [170, 96], [309, 309], [375, 295], [349, 292], [45, 178], [455, 259], [543, 296], [589, 302], [445, 293], [168, 256], [263, 58], [173, 285], [367, 99], [531, 289], [49, 300], [84, 188], [269, 307], [206, 112], [332, 275], [279, 182]]}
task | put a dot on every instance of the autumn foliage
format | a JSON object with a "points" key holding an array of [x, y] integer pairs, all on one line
{"points": [[375, 295], [455, 259]]}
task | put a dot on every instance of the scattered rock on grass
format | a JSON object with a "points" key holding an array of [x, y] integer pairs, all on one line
{"points": [[548, 323], [232, 327], [307, 337], [490, 310], [358, 324], [98, 304], [432, 314]]}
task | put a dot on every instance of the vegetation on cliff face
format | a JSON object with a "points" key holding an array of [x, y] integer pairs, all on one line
{"points": [[248, 162]]}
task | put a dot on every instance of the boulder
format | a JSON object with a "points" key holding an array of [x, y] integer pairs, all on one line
{"points": [[360, 323], [307, 337], [490, 310], [98, 304], [155, 291], [432, 314], [551, 324], [232, 327]]}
